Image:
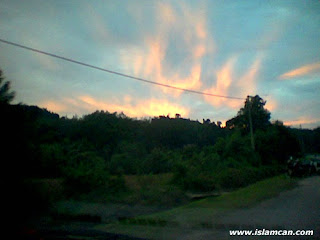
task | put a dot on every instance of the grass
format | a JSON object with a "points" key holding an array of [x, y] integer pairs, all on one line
{"points": [[201, 213], [248, 196], [153, 189], [137, 182], [142, 193]]}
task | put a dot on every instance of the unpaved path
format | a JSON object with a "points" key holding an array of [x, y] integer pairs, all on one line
{"points": [[297, 209]]}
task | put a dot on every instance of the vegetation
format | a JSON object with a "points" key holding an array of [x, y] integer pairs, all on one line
{"points": [[5, 95], [97, 151], [199, 214]]}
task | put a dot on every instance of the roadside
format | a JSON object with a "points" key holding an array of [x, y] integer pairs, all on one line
{"points": [[211, 218], [276, 203]]}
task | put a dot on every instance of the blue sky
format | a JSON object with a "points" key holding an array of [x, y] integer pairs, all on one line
{"points": [[232, 48]]}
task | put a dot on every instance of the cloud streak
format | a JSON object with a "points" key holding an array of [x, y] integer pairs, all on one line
{"points": [[149, 107], [302, 121], [301, 71], [195, 45], [227, 82], [141, 108], [151, 60], [223, 83], [54, 106]]}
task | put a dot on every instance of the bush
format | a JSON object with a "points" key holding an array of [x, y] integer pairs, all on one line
{"points": [[202, 183], [156, 162], [51, 157], [116, 184], [85, 171], [232, 178], [128, 158], [191, 178]]}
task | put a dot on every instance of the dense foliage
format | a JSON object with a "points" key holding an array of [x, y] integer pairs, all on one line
{"points": [[88, 150], [99, 148]]}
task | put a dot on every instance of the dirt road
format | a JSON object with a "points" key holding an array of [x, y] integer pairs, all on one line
{"points": [[297, 209]]}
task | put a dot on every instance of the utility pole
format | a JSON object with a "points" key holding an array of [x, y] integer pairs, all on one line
{"points": [[301, 141], [250, 123]]}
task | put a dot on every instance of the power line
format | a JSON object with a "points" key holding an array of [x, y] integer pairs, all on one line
{"points": [[114, 72]]}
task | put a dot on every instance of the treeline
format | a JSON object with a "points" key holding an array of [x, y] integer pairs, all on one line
{"points": [[44, 141], [97, 149]]}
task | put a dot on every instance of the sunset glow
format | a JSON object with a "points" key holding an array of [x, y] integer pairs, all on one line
{"points": [[204, 46]]}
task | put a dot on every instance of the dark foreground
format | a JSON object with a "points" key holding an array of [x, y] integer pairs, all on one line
{"points": [[296, 209], [69, 232]]}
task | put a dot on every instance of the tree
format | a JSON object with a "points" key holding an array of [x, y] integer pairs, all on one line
{"points": [[6, 96], [260, 116]]}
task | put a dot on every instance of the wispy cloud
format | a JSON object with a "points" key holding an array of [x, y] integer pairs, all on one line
{"points": [[54, 106], [187, 44], [144, 108], [151, 60], [302, 121], [301, 71], [271, 104], [140, 108], [248, 81], [227, 83], [223, 83]]}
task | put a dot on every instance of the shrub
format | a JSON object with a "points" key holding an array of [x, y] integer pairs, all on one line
{"points": [[85, 171], [156, 162], [192, 178], [231, 178]]}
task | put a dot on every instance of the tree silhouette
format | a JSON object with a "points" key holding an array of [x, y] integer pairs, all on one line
{"points": [[260, 116], [6, 96]]}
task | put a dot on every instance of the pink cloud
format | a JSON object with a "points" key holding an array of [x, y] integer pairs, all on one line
{"points": [[242, 86], [248, 81], [302, 121], [148, 107], [53, 106], [147, 61], [301, 71], [142, 108], [271, 104], [223, 83]]}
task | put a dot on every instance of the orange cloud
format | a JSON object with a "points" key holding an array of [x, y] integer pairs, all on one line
{"points": [[149, 107], [304, 70], [199, 51], [301, 121], [53, 106], [224, 80], [166, 13], [248, 81], [148, 61], [271, 105], [223, 83], [245, 85], [87, 104], [201, 30]]}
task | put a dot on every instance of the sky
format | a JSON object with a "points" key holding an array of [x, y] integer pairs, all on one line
{"points": [[269, 48]]}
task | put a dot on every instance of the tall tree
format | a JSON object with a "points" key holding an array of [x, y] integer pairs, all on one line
{"points": [[6, 96], [254, 109]]}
